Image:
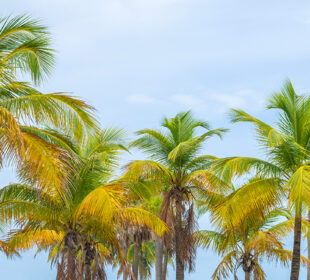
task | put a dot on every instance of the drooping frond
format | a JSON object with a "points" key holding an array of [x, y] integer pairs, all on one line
{"points": [[209, 238], [257, 196], [141, 217], [103, 202], [57, 109], [25, 46], [299, 186], [27, 239], [229, 167], [265, 131], [44, 164], [226, 266], [147, 169]]}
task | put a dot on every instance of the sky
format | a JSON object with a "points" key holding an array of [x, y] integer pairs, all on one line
{"points": [[137, 61]]}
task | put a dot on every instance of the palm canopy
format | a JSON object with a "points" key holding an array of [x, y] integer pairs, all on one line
{"points": [[287, 146], [178, 168], [22, 117], [84, 219], [175, 158], [287, 152], [24, 111]]}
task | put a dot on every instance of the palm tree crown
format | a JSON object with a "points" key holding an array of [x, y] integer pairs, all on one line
{"points": [[178, 167], [287, 151]]}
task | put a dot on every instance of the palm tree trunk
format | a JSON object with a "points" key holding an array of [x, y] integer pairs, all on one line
{"points": [[158, 258], [125, 251], [71, 261], [295, 267], [61, 270], [141, 263], [136, 260], [178, 242], [165, 265], [308, 243], [247, 275], [88, 261], [87, 275]]}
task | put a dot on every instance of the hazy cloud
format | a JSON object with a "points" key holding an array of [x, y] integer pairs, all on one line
{"points": [[140, 99], [189, 101]]}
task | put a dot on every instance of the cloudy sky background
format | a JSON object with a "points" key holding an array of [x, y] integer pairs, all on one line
{"points": [[139, 60]]}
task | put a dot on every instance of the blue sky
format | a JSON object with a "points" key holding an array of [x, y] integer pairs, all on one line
{"points": [[139, 60]]}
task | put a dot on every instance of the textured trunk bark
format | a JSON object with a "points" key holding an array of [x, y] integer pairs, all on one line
{"points": [[308, 244], [158, 258], [178, 242], [71, 262], [87, 275], [141, 263], [295, 267], [125, 250], [165, 265], [247, 275], [136, 260], [89, 257], [60, 270]]}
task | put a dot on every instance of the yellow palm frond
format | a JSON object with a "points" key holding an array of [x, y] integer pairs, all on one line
{"points": [[27, 239], [140, 217], [299, 186]]}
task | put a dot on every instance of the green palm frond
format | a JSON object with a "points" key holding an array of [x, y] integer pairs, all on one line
{"points": [[299, 186], [226, 266], [229, 167], [25, 46]]}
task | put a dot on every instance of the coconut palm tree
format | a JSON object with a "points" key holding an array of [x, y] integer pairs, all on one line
{"points": [[79, 226], [287, 152], [245, 245], [178, 167], [246, 234]]}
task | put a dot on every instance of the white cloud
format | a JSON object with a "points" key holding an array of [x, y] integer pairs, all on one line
{"points": [[218, 103], [213, 103], [243, 99], [189, 101], [140, 99]]}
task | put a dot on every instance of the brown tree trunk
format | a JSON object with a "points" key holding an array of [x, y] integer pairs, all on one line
{"points": [[87, 275], [61, 270], [295, 267], [158, 258], [178, 244], [247, 275], [71, 261], [141, 263], [89, 257], [308, 244], [136, 260], [165, 265], [125, 251]]}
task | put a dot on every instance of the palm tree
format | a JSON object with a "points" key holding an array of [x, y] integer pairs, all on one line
{"points": [[246, 244], [249, 233], [177, 166], [287, 151], [25, 47], [79, 224]]}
